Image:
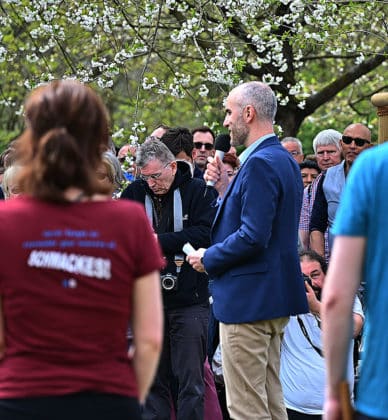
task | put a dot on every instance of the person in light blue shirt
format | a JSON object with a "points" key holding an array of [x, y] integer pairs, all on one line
{"points": [[359, 254]]}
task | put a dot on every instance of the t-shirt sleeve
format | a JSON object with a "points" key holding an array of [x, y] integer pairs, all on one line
{"points": [[357, 307], [351, 216]]}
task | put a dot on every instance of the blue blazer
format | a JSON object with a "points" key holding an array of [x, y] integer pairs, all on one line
{"points": [[253, 263]]}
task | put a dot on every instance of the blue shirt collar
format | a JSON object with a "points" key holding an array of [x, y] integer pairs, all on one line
{"points": [[245, 154]]}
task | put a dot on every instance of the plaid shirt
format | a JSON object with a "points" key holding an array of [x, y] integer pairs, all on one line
{"points": [[307, 207]]}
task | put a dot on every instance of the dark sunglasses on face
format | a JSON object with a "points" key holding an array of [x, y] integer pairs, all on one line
{"points": [[198, 145], [358, 141]]}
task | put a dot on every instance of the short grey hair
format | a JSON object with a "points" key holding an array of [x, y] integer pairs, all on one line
{"points": [[260, 96], [10, 174], [153, 150], [115, 174], [293, 140], [326, 138]]}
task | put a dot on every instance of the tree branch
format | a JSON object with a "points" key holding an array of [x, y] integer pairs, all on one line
{"points": [[354, 73]]}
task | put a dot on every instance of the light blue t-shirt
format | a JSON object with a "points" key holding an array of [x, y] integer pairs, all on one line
{"points": [[302, 369], [363, 211]]}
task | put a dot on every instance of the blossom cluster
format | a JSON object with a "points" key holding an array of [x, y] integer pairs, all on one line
{"points": [[132, 50]]}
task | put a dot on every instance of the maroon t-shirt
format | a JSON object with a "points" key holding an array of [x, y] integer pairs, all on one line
{"points": [[66, 281]]}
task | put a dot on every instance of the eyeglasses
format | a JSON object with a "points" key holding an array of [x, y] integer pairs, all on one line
{"points": [[153, 176], [198, 145], [358, 141]]}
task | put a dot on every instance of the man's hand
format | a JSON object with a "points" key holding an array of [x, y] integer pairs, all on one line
{"points": [[332, 409], [195, 260], [216, 172], [313, 302]]}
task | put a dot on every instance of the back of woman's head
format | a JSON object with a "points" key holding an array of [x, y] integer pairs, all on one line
{"points": [[67, 127]]}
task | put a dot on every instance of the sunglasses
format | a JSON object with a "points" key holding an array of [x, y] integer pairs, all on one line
{"points": [[198, 145], [358, 141]]}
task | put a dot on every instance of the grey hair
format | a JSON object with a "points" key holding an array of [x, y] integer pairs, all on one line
{"points": [[293, 140], [326, 138], [260, 96], [115, 175], [10, 174], [152, 150]]}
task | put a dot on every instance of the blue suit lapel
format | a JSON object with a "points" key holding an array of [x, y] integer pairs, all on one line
{"points": [[268, 142]]}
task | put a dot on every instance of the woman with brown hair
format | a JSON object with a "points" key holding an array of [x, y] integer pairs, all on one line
{"points": [[77, 269]]}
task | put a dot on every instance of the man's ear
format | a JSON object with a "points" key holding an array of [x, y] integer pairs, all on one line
{"points": [[174, 166], [249, 113]]}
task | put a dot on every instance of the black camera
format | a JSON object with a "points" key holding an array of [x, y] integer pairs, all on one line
{"points": [[169, 281], [316, 290], [307, 278]]}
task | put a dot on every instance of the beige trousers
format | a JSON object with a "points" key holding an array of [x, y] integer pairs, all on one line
{"points": [[251, 362]]}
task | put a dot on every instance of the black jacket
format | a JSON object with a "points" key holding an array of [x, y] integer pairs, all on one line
{"points": [[198, 213]]}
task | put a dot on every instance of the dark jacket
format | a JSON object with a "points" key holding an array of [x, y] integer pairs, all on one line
{"points": [[198, 214]]}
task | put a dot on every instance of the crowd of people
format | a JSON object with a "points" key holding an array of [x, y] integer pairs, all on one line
{"points": [[102, 313]]}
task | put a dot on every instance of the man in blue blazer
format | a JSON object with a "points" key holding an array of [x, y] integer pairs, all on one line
{"points": [[253, 262]]}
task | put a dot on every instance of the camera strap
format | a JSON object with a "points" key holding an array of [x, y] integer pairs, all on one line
{"points": [[178, 221], [306, 334]]}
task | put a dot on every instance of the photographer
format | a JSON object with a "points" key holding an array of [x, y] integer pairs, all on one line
{"points": [[180, 212], [302, 368]]}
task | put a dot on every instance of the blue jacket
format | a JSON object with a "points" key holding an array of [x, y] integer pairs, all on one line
{"points": [[253, 263]]}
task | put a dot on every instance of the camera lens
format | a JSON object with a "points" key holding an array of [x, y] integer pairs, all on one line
{"points": [[168, 282]]}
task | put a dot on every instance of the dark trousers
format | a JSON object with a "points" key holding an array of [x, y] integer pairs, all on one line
{"points": [[180, 376], [296, 415], [80, 406]]}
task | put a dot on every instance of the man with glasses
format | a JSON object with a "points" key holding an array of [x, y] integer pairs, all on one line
{"points": [[355, 139], [294, 146], [203, 138], [180, 212], [302, 366]]}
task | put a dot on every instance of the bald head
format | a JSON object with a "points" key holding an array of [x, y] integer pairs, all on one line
{"points": [[358, 130], [260, 96], [355, 139]]}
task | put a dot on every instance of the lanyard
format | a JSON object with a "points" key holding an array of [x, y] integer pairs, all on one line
{"points": [[305, 333]]}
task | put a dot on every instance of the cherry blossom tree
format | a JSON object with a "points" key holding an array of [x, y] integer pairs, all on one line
{"points": [[175, 60]]}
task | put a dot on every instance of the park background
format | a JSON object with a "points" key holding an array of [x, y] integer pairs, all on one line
{"points": [[173, 61]]}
